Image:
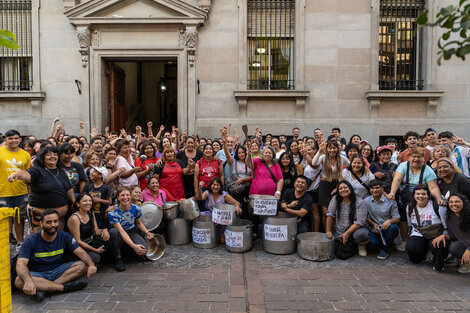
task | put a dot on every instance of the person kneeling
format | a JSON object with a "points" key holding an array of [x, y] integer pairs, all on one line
{"points": [[124, 218], [348, 214], [40, 266], [297, 202]]}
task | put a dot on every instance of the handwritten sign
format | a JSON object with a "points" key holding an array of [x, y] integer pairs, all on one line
{"points": [[264, 206], [275, 232], [202, 235], [222, 217], [234, 239]]}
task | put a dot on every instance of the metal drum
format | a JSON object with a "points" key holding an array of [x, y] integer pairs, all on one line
{"points": [[171, 210], [315, 247], [155, 247], [279, 233], [152, 215], [263, 205], [238, 236], [178, 231], [224, 214], [205, 233], [189, 209]]}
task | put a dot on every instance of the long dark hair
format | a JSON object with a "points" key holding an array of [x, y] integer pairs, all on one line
{"points": [[413, 204], [339, 199], [291, 167], [75, 207], [363, 169], [464, 215], [39, 160], [236, 153]]}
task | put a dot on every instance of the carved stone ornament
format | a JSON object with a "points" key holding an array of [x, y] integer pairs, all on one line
{"points": [[190, 35], [83, 34], [95, 38]]}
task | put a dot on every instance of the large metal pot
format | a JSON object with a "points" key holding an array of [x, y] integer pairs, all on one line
{"points": [[151, 215], [263, 205], [205, 233], [189, 209], [238, 236], [171, 210], [315, 247], [178, 231], [155, 247], [224, 214], [279, 233]]}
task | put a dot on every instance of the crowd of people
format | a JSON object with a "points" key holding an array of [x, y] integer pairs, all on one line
{"points": [[82, 196]]}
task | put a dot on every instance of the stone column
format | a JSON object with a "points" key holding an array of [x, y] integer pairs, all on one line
{"points": [[190, 35]]}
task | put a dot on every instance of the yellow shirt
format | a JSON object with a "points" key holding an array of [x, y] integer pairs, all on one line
{"points": [[11, 162]]}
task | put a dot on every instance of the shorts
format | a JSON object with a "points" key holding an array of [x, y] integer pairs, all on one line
{"points": [[54, 273], [15, 201]]}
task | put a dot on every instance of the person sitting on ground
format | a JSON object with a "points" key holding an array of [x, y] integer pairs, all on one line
{"points": [[125, 218], [41, 267], [346, 217], [383, 218], [297, 202], [153, 192]]}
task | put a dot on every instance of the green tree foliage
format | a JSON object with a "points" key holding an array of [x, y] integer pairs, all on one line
{"points": [[452, 19], [8, 40]]}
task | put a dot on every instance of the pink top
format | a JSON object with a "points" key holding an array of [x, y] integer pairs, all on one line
{"points": [[160, 199], [262, 183]]}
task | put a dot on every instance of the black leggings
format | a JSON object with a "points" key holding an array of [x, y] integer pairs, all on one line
{"points": [[117, 244], [417, 248]]}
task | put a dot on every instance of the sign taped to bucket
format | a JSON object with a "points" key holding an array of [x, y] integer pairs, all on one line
{"points": [[264, 206], [202, 235], [275, 232], [222, 217], [234, 239]]}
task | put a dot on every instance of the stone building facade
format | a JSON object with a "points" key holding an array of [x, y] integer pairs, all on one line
{"points": [[335, 56]]}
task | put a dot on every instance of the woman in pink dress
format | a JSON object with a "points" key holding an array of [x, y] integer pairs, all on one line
{"points": [[266, 181]]}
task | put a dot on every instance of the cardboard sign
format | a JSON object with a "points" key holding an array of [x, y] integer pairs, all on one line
{"points": [[202, 235], [222, 217], [234, 239], [264, 206], [275, 232]]}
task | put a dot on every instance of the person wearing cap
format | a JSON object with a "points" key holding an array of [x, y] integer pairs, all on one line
{"points": [[383, 168], [100, 193], [431, 136], [460, 154], [450, 181], [383, 217], [411, 140]]}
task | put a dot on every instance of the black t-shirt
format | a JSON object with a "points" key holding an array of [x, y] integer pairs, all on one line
{"points": [[76, 174], [460, 184], [188, 180], [289, 179], [48, 187], [99, 209], [304, 202]]}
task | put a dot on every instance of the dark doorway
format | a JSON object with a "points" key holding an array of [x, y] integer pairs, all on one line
{"points": [[139, 92]]}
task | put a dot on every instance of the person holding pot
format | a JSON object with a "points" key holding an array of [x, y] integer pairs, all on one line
{"points": [[410, 174], [450, 181], [425, 220], [153, 192], [50, 187], [298, 202], [346, 221], [125, 219]]}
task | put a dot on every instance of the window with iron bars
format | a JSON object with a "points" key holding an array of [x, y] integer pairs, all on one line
{"points": [[400, 45], [16, 66], [271, 28]]}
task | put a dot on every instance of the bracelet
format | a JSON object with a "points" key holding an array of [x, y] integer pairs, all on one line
{"points": [[277, 192]]}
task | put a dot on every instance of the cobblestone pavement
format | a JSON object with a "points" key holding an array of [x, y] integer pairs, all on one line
{"points": [[187, 279]]}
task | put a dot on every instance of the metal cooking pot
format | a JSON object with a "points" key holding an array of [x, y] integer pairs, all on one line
{"points": [[224, 214], [279, 233], [189, 209], [263, 205], [178, 231], [155, 247], [205, 233], [315, 247], [238, 236], [152, 215], [171, 210]]}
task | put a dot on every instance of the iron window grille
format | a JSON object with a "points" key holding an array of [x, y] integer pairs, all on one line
{"points": [[400, 45], [271, 28], [16, 68]]}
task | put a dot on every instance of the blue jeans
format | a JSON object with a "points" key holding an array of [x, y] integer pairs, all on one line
{"points": [[54, 273], [389, 235]]}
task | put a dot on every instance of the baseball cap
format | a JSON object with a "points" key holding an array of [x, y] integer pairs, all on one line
{"points": [[383, 148], [429, 130], [100, 169]]}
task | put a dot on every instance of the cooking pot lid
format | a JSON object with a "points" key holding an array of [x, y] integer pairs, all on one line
{"points": [[152, 215]]}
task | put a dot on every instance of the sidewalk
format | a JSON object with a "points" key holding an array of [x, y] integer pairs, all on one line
{"points": [[187, 279]]}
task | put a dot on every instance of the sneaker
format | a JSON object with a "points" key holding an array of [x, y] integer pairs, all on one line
{"points": [[13, 239], [401, 246], [75, 285], [40, 295], [362, 250], [464, 269], [119, 265], [451, 261], [383, 255]]}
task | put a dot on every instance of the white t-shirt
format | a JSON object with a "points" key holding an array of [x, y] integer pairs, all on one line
{"points": [[427, 217]]}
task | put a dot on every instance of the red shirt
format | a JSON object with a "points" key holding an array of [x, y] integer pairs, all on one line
{"points": [[144, 165], [208, 170]]}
